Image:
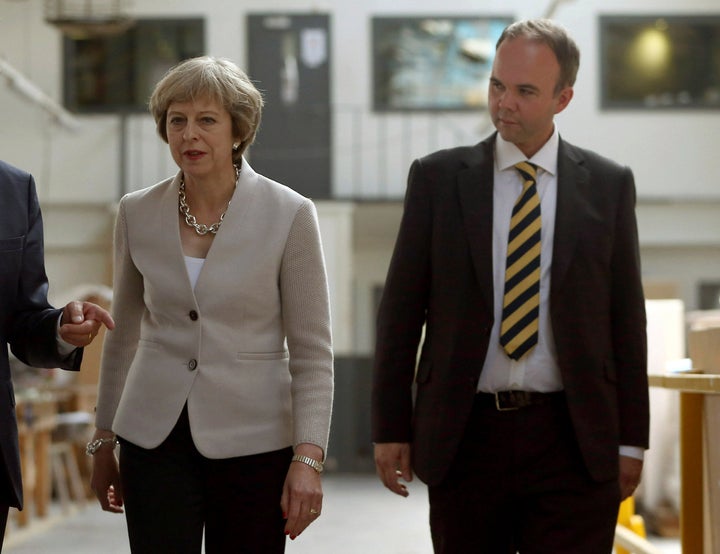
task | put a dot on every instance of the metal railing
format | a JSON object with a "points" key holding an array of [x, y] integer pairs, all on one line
{"points": [[370, 151]]}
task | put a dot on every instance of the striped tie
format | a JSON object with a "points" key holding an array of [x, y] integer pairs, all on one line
{"points": [[521, 302]]}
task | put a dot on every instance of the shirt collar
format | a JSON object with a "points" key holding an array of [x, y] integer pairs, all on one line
{"points": [[507, 154]]}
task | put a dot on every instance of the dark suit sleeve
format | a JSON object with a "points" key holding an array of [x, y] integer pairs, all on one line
{"points": [[402, 314], [629, 323], [33, 323]]}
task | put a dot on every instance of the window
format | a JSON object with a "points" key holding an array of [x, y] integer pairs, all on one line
{"points": [[118, 73], [433, 63], [709, 295], [660, 61]]}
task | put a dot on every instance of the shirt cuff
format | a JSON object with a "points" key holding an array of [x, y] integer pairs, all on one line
{"points": [[636, 452], [64, 348]]}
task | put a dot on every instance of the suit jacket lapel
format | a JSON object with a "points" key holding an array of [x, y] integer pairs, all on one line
{"points": [[475, 188], [573, 180]]}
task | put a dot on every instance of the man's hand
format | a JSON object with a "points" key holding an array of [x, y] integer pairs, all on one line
{"points": [[392, 462], [630, 472], [81, 322]]}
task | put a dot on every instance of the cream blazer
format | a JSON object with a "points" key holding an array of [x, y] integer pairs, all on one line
{"points": [[249, 349]]}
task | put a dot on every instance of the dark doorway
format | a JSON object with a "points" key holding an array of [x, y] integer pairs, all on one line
{"points": [[289, 61]]}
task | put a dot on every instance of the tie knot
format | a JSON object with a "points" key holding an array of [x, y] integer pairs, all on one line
{"points": [[527, 170]]}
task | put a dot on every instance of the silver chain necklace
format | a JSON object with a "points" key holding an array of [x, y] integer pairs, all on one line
{"points": [[200, 228]]}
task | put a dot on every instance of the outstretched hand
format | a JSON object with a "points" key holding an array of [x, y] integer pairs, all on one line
{"points": [[81, 322]]}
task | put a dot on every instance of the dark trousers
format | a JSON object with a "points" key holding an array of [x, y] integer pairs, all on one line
{"points": [[518, 484], [3, 523], [172, 494], [6, 494]]}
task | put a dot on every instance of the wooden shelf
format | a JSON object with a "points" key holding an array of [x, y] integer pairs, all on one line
{"points": [[687, 382]]}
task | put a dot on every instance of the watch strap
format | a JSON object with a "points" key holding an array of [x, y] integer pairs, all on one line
{"points": [[94, 445], [312, 462]]}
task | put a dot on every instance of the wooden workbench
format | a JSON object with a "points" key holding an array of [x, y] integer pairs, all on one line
{"points": [[699, 457]]}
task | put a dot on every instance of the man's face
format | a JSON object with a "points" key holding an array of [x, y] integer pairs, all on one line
{"points": [[522, 96]]}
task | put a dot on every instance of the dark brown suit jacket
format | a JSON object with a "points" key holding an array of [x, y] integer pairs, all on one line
{"points": [[441, 276]]}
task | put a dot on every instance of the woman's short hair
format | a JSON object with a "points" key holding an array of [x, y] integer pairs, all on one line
{"points": [[556, 38], [216, 78]]}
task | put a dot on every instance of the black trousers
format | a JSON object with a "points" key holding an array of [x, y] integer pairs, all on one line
{"points": [[519, 484], [3, 523], [5, 499], [173, 494]]}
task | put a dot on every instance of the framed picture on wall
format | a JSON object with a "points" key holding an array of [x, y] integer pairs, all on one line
{"points": [[656, 62], [433, 62]]}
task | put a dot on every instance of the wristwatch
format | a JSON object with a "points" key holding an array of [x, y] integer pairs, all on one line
{"points": [[94, 446], [312, 462]]}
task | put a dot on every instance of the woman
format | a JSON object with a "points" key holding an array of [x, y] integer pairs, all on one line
{"points": [[218, 381]]}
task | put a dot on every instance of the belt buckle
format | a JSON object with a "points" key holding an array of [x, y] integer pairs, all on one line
{"points": [[502, 407]]}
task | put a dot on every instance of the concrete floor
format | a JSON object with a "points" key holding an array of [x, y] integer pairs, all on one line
{"points": [[359, 517]]}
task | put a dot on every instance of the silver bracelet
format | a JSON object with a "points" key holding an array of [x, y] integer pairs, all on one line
{"points": [[94, 446]]}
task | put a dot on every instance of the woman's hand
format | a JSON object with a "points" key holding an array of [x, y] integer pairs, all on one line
{"points": [[302, 496], [105, 480]]}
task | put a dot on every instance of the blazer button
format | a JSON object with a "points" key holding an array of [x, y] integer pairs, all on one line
{"points": [[192, 364], [193, 315]]}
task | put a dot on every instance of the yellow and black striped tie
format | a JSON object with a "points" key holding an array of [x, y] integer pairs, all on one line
{"points": [[521, 302]]}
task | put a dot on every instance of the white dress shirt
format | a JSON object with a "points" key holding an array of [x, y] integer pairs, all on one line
{"points": [[537, 371]]}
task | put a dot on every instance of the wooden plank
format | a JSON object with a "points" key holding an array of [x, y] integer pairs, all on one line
{"points": [[704, 350], [691, 473], [687, 382]]}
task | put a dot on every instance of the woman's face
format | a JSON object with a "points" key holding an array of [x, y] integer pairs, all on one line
{"points": [[200, 137]]}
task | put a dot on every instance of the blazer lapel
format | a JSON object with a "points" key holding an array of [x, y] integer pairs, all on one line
{"points": [[227, 237], [169, 235], [573, 181], [475, 188]]}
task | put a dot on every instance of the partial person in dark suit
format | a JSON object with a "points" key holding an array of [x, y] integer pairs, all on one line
{"points": [[38, 334], [531, 453]]}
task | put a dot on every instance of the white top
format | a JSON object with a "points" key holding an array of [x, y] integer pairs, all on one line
{"points": [[194, 267]]}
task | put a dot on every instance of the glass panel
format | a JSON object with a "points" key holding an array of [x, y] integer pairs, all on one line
{"points": [[660, 61], [433, 62], [118, 73]]}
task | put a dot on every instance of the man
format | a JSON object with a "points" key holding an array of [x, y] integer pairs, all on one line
{"points": [[38, 334], [530, 412]]}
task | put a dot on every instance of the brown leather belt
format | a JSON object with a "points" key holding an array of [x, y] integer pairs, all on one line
{"points": [[507, 400]]}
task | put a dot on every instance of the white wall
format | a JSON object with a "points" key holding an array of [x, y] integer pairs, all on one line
{"points": [[671, 152], [84, 166]]}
